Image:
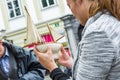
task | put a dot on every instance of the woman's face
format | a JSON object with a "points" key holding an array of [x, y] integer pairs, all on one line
{"points": [[80, 8], [72, 5]]}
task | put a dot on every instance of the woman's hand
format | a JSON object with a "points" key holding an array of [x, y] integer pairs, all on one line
{"points": [[46, 59], [65, 59]]}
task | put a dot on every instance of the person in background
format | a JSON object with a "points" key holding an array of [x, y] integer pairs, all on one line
{"points": [[98, 55], [17, 63]]}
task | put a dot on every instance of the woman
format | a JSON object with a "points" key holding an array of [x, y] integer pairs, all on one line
{"points": [[99, 50]]}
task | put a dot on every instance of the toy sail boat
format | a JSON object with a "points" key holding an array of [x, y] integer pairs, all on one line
{"points": [[33, 37]]}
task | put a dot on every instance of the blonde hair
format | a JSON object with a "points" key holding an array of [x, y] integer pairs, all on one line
{"points": [[113, 6]]}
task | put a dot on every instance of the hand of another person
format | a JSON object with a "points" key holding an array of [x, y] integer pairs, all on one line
{"points": [[46, 59], [65, 59]]}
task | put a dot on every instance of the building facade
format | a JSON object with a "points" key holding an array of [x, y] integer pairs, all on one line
{"points": [[53, 12]]}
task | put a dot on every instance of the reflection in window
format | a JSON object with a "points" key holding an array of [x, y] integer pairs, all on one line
{"points": [[47, 3], [51, 2], [16, 3], [17, 11], [14, 8], [11, 14], [44, 2], [9, 5]]}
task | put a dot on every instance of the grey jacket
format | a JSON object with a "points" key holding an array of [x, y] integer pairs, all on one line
{"points": [[99, 50]]}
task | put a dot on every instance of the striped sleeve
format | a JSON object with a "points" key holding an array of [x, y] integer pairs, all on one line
{"points": [[97, 55]]}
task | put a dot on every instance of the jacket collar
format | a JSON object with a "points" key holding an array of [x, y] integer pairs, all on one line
{"points": [[91, 20], [15, 50]]}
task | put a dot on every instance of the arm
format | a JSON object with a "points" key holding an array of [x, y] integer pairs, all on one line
{"points": [[57, 74], [65, 59], [47, 60], [28, 63], [97, 55], [35, 70]]}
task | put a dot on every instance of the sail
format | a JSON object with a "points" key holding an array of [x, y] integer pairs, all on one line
{"points": [[33, 36], [32, 33], [56, 36]]}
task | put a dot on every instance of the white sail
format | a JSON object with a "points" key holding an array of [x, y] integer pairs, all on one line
{"points": [[56, 36], [32, 33]]}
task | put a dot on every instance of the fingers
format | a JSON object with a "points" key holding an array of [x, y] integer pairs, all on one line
{"points": [[49, 50], [63, 51], [41, 56], [36, 51]]}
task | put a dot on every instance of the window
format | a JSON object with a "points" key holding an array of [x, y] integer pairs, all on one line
{"points": [[14, 8], [47, 3]]}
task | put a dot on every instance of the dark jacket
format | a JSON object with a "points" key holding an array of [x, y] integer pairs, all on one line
{"points": [[58, 74], [23, 64], [80, 29]]}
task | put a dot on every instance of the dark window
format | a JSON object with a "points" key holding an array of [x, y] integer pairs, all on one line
{"points": [[11, 13], [44, 3], [9, 5], [17, 12], [14, 8], [51, 2], [47, 3]]}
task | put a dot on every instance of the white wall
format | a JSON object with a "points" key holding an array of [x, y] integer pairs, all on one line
{"points": [[54, 12], [20, 22], [46, 14], [16, 24], [2, 26], [31, 10], [51, 13], [67, 9]]}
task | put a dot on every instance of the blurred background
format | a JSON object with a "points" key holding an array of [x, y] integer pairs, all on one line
{"points": [[14, 23]]}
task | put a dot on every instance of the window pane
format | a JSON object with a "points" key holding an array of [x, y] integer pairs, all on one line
{"points": [[44, 3], [9, 5], [51, 2], [16, 3], [11, 14], [17, 11]]}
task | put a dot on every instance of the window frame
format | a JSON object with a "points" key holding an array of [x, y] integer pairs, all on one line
{"points": [[8, 10], [49, 6]]}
